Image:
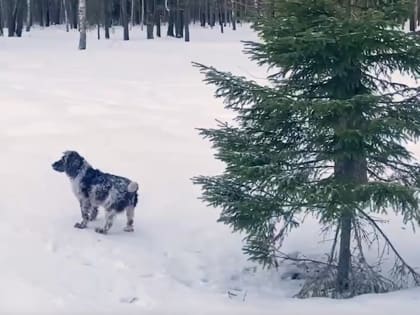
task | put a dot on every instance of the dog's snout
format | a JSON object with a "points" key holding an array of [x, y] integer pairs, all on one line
{"points": [[58, 166]]}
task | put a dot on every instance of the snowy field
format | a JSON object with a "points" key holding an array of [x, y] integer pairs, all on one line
{"points": [[131, 108]]}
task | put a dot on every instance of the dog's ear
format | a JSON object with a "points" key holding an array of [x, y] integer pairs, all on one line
{"points": [[74, 163]]}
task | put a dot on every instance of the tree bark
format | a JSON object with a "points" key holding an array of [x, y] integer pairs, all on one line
{"points": [[132, 13], [348, 171], [187, 21], [171, 23], [107, 17], [158, 24], [19, 17], [142, 13], [11, 18], [83, 24], [149, 21], [1, 18], [233, 15], [74, 13], [66, 15], [344, 257], [124, 17], [28, 15], [47, 13]]}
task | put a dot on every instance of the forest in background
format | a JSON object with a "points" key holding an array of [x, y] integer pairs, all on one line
{"points": [[19, 15]]}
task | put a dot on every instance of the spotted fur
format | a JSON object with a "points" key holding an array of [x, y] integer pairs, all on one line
{"points": [[94, 189]]}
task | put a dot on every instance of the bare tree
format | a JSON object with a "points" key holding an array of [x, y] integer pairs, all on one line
{"points": [[66, 15], [82, 24], [28, 15], [124, 18], [107, 16], [187, 21], [1, 18], [149, 18]]}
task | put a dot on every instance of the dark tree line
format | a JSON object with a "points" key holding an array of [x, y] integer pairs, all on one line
{"points": [[177, 15]]}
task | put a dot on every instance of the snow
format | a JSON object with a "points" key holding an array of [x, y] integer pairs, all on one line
{"points": [[131, 108]]}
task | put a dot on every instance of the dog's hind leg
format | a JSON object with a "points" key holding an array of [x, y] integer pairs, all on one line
{"points": [[93, 213], [109, 219], [85, 209], [130, 219]]}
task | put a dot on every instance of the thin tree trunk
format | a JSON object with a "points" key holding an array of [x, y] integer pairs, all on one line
{"points": [[74, 14], [158, 24], [28, 15], [124, 16], [220, 16], [142, 14], [99, 30], [107, 17], [187, 21], [19, 17], [11, 18], [1, 18], [47, 13], [344, 257], [171, 23], [83, 24], [233, 15], [353, 171], [66, 15], [149, 19], [132, 13]]}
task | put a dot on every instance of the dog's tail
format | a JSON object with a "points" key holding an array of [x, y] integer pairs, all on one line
{"points": [[132, 187]]}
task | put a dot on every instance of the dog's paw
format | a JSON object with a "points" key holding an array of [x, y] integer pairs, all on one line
{"points": [[100, 231], [129, 229], [79, 225]]}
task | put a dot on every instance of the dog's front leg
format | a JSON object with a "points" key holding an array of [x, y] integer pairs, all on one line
{"points": [[85, 209], [110, 214], [93, 213]]}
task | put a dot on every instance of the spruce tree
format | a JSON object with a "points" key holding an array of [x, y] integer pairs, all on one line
{"points": [[326, 137]]}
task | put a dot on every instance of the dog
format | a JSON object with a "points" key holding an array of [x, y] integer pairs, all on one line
{"points": [[94, 189]]}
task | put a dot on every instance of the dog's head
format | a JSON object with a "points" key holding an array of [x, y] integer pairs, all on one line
{"points": [[70, 163]]}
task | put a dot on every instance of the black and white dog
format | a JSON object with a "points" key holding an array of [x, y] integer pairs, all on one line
{"points": [[94, 189]]}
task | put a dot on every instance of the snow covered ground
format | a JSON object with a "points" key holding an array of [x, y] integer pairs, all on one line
{"points": [[131, 108]]}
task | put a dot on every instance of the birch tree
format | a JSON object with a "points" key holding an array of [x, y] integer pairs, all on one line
{"points": [[82, 24]]}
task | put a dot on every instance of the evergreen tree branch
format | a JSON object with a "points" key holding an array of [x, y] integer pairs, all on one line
{"points": [[416, 276]]}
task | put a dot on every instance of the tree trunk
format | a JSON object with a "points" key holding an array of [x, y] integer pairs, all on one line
{"points": [[142, 13], [350, 171], [132, 13], [344, 257], [1, 18], [179, 24], [124, 17], [47, 13], [74, 13], [83, 24], [107, 17], [19, 17], [158, 24], [149, 19], [28, 15], [187, 22], [171, 23], [66, 15], [233, 15], [11, 18], [222, 30]]}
